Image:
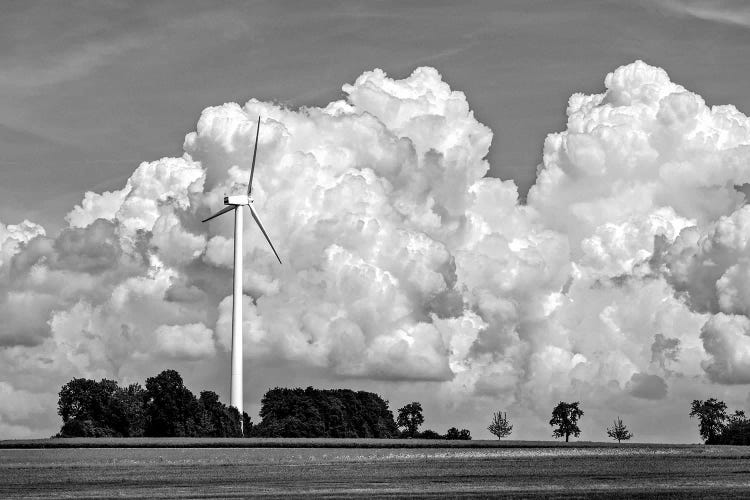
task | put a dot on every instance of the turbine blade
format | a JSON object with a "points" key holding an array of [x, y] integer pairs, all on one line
{"points": [[260, 225], [252, 167], [222, 211]]}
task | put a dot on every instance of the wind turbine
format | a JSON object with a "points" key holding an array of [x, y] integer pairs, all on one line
{"points": [[237, 203]]}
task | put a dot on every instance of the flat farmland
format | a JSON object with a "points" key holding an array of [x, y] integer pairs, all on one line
{"points": [[558, 471]]}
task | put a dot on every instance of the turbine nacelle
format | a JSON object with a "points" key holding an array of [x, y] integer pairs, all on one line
{"points": [[240, 199]]}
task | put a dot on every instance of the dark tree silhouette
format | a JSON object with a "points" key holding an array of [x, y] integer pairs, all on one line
{"points": [[339, 413], [410, 417], [430, 434], [565, 416], [736, 431], [454, 433], [738, 417], [619, 431], [500, 426], [712, 416], [75, 399], [172, 409], [128, 418], [247, 425], [164, 408], [217, 419], [85, 399], [98, 409]]}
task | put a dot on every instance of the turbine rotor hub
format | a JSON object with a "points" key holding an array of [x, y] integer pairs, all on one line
{"points": [[240, 199]]}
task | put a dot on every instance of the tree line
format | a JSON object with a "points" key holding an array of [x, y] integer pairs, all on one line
{"points": [[338, 413], [166, 408]]}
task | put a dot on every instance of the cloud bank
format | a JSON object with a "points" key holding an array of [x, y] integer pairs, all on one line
{"points": [[622, 282]]}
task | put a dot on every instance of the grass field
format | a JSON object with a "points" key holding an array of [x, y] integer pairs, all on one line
{"points": [[512, 471], [305, 443]]}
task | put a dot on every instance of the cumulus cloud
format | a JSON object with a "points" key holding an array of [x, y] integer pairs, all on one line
{"points": [[13, 235], [726, 339], [19, 414], [192, 341], [642, 385], [732, 12], [622, 276]]}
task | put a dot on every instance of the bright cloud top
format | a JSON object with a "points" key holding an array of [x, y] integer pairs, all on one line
{"points": [[622, 281]]}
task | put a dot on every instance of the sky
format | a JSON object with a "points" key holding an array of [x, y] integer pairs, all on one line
{"points": [[398, 149]]}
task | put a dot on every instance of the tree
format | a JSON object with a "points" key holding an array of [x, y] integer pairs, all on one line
{"points": [[737, 430], [247, 425], [85, 399], [429, 434], [218, 420], [619, 431], [738, 417], [712, 416], [565, 416], [410, 417], [500, 425], [97, 409], [171, 408], [337, 413], [454, 433], [75, 399], [128, 415]]}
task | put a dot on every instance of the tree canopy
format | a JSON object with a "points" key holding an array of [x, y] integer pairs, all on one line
{"points": [[101, 409], [565, 416], [712, 415], [454, 433], [336, 413], [410, 417]]}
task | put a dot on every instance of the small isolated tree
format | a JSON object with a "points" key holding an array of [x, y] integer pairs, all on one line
{"points": [[565, 416], [500, 426], [712, 417], [410, 417], [619, 431]]}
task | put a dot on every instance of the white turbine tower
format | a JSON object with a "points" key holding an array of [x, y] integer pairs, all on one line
{"points": [[236, 203]]}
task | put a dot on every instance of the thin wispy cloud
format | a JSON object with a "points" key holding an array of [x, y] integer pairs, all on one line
{"points": [[70, 64], [734, 12], [76, 59]]}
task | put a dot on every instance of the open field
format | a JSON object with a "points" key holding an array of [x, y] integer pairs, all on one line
{"points": [[559, 471], [308, 443]]}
